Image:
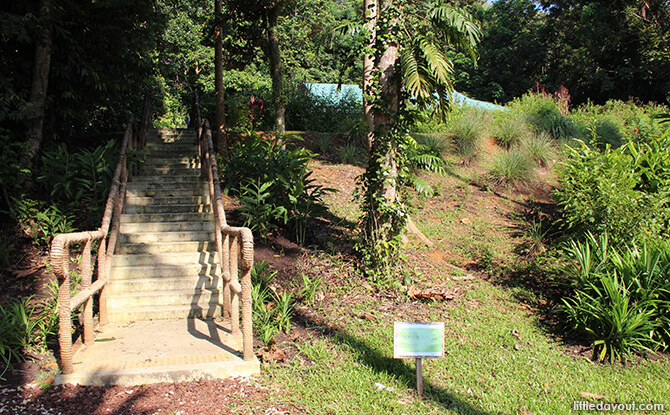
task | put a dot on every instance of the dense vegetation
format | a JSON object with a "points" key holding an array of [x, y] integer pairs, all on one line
{"points": [[597, 138]]}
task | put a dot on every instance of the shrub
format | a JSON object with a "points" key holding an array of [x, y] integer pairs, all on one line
{"points": [[623, 192], [275, 182], [269, 319], [512, 167], [621, 296], [437, 144], [308, 112], [543, 115]]}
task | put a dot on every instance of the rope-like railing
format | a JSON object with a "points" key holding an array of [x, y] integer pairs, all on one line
{"points": [[107, 239], [234, 244]]}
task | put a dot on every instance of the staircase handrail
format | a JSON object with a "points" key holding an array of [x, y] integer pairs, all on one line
{"points": [[236, 290], [133, 139]]}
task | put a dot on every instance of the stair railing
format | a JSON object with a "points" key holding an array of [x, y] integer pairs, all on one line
{"points": [[235, 246], [133, 139]]}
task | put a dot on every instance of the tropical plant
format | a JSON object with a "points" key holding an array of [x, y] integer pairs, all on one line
{"points": [[310, 286], [621, 296], [467, 131], [274, 186], [622, 192]]}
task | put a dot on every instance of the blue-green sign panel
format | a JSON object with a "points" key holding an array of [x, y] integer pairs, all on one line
{"points": [[418, 340]]}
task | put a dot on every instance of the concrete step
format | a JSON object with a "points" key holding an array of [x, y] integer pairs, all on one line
{"points": [[142, 183], [173, 236], [169, 192], [166, 200], [166, 217], [207, 258], [152, 313], [158, 272], [186, 161], [129, 227], [192, 297], [183, 283], [143, 352], [167, 247], [165, 179], [174, 170], [157, 209]]}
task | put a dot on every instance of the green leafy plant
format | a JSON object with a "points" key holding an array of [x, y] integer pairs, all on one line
{"points": [[622, 192], [260, 216], [26, 326], [274, 185], [510, 131], [310, 287], [621, 296], [467, 132], [349, 153], [42, 224]]}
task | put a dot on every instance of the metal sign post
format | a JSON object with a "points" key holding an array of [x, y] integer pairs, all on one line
{"points": [[418, 340]]}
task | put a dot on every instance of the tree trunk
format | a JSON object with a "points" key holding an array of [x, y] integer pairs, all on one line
{"points": [[385, 113], [275, 70], [38, 89], [221, 139], [370, 15]]}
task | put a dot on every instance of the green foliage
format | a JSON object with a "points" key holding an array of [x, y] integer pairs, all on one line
{"points": [[79, 181], [41, 223], [274, 185], [623, 192], [10, 168], [308, 112], [26, 326], [510, 131], [271, 311], [349, 153], [621, 298], [512, 167], [310, 287], [436, 144], [260, 216], [540, 148], [543, 115], [467, 130]]}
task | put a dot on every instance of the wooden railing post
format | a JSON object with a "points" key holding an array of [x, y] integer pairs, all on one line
{"points": [[60, 257], [86, 284]]}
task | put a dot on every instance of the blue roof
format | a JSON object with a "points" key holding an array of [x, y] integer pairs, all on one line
{"points": [[330, 91]]}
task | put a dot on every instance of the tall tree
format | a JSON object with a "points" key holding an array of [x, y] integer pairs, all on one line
{"points": [[218, 79], [408, 63], [38, 89]]}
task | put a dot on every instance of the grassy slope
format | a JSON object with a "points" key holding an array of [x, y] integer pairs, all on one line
{"points": [[498, 357]]}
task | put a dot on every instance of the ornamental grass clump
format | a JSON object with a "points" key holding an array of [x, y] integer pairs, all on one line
{"points": [[512, 168], [467, 132], [510, 131], [540, 148]]}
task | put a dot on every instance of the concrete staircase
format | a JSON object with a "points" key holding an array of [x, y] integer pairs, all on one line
{"points": [[165, 267]]}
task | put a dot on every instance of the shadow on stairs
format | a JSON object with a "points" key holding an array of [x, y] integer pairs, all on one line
{"points": [[165, 287]]}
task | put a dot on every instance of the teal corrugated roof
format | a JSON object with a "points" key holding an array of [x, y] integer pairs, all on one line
{"points": [[331, 92]]}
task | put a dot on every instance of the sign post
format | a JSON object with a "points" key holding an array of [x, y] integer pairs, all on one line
{"points": [[418, 340]]}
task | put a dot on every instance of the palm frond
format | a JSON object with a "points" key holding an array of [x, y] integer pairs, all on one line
{"points": [[440, 66], [414, 74], [420, 185]]}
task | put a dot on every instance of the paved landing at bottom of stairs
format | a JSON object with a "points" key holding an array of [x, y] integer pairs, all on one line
{"points": [[160, 351]]}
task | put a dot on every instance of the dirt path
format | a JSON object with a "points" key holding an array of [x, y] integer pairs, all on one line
{"points": [[239, 396]]}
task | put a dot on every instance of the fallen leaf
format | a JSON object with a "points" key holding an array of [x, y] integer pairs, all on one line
{"points": [[431, 293], [516, 334], [588, 395], [465, 220], [464, 277], [367, 316]]}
